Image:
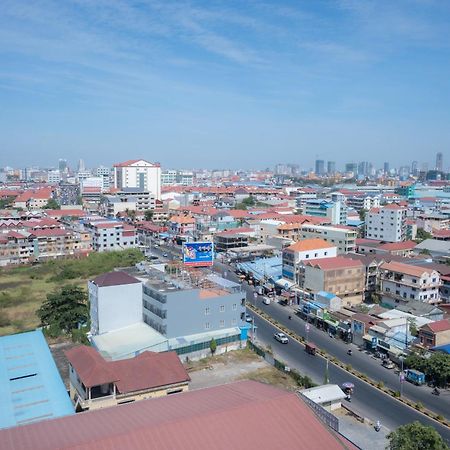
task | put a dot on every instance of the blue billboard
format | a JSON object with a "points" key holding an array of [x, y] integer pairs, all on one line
{"points": [[198, 253]]}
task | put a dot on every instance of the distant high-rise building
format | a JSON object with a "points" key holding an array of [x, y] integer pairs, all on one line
{"points": [[386, 168], [351, 167], [62, 165], [331, 167], [363, 168], [320, 167], [414, 168], [81, 166], [439, 161]]}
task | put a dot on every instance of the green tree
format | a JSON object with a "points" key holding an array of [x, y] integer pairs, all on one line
{"points": [[5, 202], [415, 436], [213, 346], [148, 215], [362, 214], [437, 368], [421, 235], [249, 201], [65, 309], [52, 204]]}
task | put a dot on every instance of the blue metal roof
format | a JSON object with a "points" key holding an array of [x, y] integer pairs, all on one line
{"points": [[443, 348], [31, 388], [326, 294], [269, 267]]}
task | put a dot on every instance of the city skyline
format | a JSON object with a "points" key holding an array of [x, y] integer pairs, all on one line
{"points": [[224, 84]]}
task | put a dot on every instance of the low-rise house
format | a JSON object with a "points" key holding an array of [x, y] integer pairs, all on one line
{"points": [[238, 237], [438, 250], [96, 383], [181, 226], [435, 334], [329, 396]]}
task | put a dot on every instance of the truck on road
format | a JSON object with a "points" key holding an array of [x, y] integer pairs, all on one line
{"points": [[415, 376]]}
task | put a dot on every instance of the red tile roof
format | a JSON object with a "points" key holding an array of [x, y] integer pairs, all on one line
{"points": [[438, 326], [65, 212], [392, 246], [148, 370], [238, 415], [337, 262], [309, 244], [407, 269], [114, 279]]}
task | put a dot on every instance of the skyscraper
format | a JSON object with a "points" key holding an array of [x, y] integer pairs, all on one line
{"points": [[414, 168], [320, 167], [386, 168], [331, 167], [439, 161], [351, 167], [62, 165], [81, 166]]}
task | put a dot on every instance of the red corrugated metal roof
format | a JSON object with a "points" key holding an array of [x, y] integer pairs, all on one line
{"points": [[337, 262], [242, 415]]}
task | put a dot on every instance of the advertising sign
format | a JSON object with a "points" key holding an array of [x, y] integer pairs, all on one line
{"points": [[198, 254]]}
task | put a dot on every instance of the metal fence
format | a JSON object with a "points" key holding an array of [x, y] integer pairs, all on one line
{"points": [[324, 415]]}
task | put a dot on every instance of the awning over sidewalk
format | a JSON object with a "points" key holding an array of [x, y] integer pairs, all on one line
{"points": [[284, 283]]}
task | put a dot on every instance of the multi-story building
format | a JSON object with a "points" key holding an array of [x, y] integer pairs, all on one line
{"points": [[334, 211], [403, 283], [112, 235], [360, 202], [183, 311], [138, 173], [434, 334], [320, 167], [182, 226], [344, 277], [131, 199], [387, 223], [168, 177], [342, 237], [53, 176], [111, 293], [302, 251]]}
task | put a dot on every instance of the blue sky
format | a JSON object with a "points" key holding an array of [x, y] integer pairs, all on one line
{"points": [[224, 83]]}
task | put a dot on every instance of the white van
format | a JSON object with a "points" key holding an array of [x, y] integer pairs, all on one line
{"points": [[266, 300]]}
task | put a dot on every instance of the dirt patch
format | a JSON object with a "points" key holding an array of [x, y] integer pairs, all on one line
{"points": [[270, 375], [230, 358]]}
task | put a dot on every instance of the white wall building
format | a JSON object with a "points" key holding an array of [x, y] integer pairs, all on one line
{"points": [[138, 173], [53, 176], [405, 283], [343, 238], [387, 223], [115, 302]]}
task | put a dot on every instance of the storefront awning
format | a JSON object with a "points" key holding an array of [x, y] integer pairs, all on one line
{"points": [[284, 283]]}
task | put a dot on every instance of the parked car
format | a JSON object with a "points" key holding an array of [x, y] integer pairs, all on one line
{"points": [[266, 300], [388, 364], [281, 337], [165, 255], [248, 318]]}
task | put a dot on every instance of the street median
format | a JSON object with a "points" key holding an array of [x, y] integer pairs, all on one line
{"points": [[348, 368]]}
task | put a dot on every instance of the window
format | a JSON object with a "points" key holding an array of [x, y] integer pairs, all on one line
{"points": [[207, 326], [233, 322], [222, 308], [234, 306], [307, 256], [207, 311], [325, 253], [316, 255], [222, 323]]}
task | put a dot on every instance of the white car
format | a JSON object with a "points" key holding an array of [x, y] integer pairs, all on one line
{"points": [[248, 318], [266, 300], [281, 337]]}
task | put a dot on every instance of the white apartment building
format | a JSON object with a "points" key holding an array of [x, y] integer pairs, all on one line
{"points": [[304, 250], [53, 176], [343, 238], [168, 177], [111, 235], [105, 174], [387, 223], [405, 283], [363, 202], [137, 173], [115, 300]]}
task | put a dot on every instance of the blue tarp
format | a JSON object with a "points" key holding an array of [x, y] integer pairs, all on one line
{"points": [[268, 267], [442, 348]]}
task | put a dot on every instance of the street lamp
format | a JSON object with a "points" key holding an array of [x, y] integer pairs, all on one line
{"points": [[401, 377], [307, 331]]}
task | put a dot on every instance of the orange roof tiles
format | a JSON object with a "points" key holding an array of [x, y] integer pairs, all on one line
{"points": [[337, 262], [309, 244], [405, 268]]}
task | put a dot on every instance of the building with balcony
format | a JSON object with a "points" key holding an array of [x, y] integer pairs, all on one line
{"points": [[387, 223], [342, 238], [344, 277], [112, 235], [403, 283], [96, 383]]}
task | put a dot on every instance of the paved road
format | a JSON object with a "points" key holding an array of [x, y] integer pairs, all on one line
{"points": [[359, 360], [370, 401]]}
